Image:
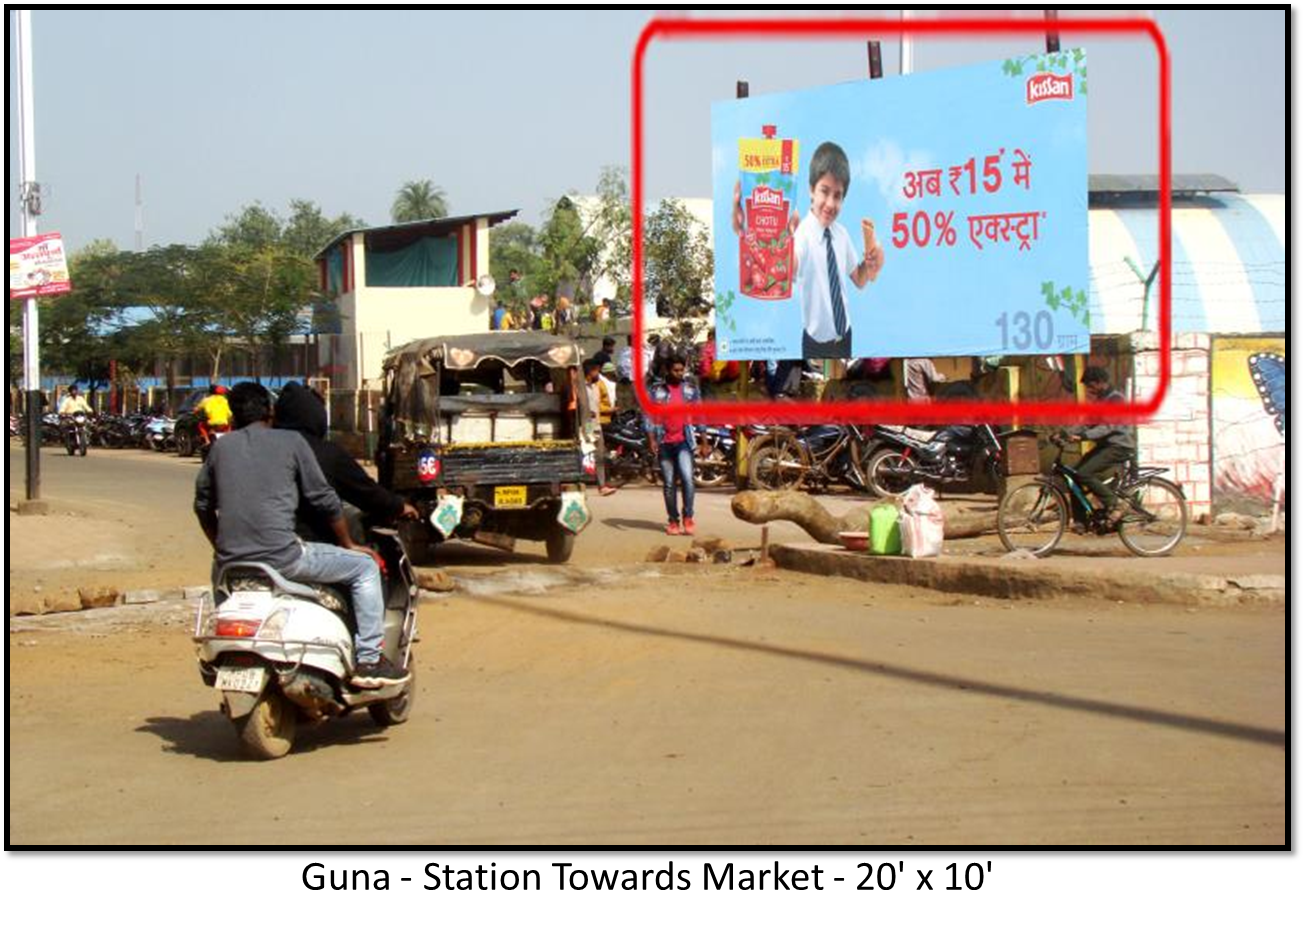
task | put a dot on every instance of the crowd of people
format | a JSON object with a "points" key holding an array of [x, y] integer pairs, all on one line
{"points": [[515, 311]]}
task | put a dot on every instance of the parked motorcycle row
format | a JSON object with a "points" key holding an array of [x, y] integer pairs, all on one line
{"points": [[882, 460], [112, 432]]}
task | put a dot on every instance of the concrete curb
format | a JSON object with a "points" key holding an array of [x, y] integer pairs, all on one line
{"points": [[1031, 579]]}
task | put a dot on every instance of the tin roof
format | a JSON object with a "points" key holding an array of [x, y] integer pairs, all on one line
{"points": [[1229, 264]]}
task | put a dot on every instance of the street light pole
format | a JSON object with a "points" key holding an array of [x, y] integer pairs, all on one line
{"points": [[30, 206]]}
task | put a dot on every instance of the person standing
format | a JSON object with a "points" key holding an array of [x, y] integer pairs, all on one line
{"points": [[672, 444], [921, 376]]}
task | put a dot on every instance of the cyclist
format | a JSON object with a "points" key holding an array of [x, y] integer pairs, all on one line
{"points": [[1115, 445]]}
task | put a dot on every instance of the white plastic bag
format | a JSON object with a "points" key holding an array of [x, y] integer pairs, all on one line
{"points": [[922, 524]]}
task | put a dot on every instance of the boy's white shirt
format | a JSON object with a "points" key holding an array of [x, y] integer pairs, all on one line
{"points": [[813, 275]]}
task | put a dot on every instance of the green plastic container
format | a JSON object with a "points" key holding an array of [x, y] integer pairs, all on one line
{"points": [[884, 530]]}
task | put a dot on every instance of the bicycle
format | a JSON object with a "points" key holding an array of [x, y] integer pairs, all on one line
{"points": [[809, 457], [1152, 521]]}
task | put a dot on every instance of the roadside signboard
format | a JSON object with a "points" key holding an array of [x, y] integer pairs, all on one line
{"points": [[37, 266]]}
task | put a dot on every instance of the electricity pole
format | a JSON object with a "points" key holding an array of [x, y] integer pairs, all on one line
{"points": [[30, 203]]}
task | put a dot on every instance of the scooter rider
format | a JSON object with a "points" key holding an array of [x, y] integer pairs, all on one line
{"points": [[300, 409], [246, 496], [213, 413]]}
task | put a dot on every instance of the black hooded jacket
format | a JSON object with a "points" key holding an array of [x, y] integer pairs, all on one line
{"points": [[300, 409]]}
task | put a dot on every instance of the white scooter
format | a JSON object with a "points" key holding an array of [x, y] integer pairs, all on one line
{"points": [[279, 651]]}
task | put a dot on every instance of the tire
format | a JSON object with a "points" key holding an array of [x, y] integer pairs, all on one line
{"points": [[560, 544], [267, 732], [888, 474], [777, 465], [1032, 518], [72, 448], [396, 710], [82, 448], [713, 469], [1155, 522], [185, 444]]}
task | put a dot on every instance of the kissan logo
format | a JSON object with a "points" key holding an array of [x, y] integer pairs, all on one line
{"points": [[1046, 86]]}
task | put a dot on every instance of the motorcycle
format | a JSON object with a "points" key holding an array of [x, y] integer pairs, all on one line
{"points": [[159, 434], [51, 429], [627, 455], [75, 433], [215, 431], [280, 651], [958, 454]]}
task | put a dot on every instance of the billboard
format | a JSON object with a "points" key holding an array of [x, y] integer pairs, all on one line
{"points": [[935, 214], [37, 266]]}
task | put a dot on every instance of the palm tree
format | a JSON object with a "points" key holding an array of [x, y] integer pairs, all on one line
{"points": [[417, 200]]}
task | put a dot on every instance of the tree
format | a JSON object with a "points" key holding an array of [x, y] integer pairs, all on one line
{"points": [[677, 262], [612, 228], [417, 200], [569, 255], [254, 226], [165, 281], [271, 286], [307, 230], [514, 246], [74, 326]]}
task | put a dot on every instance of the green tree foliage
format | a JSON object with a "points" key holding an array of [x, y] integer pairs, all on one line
{"points": [[514, 246], [569, 255], [612, 228], [72, 325], [677, 262], [417, 200], [307, 231]]}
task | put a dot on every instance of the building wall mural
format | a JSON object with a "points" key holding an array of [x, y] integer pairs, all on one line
{"points": [[1248, 396]]}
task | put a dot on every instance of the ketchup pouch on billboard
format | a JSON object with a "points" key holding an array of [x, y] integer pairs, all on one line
{"points": [[768, 169]]}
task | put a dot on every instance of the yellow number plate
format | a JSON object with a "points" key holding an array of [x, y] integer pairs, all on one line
{"points": [[509, 496]]}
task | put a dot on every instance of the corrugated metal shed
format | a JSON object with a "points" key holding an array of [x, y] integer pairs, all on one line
{"points": [[1229, 265]]}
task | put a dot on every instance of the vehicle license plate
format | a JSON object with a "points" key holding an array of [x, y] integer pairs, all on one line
{"points": [[241, 678], [509, 496]]}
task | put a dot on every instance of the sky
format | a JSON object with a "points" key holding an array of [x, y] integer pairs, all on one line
{"points": [[217, 109]]}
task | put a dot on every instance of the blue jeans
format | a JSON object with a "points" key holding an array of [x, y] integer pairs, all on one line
{"points": [[329, 564], [677, 463]]}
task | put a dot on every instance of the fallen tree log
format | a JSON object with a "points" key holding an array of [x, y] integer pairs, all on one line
{"points": [[756, 507]]}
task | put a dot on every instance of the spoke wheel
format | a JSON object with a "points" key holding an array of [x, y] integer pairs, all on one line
{"points": [[1033, 518], [888, 474], [1154, 522], [777, 466], [711, 469]]}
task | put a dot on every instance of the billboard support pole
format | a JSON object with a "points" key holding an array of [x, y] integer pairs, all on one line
{"points": [[1052, 34], [741, 91]]}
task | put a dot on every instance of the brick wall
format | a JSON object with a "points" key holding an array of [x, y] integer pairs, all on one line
{"points": [[1178, 437]]}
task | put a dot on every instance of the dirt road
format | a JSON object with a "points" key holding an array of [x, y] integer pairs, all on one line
{"points": [[720, 706]]}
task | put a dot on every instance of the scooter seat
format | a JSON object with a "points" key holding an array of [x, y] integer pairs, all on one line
{"points": [[260, 575]]}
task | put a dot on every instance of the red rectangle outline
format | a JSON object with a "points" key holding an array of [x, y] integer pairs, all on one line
{"points": [[897, 412]]}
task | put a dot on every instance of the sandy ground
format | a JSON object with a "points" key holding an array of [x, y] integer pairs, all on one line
{"points": [[716, 706], [614, 702]]}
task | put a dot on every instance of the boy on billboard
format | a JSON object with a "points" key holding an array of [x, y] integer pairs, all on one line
{"points": [[824, 256]]}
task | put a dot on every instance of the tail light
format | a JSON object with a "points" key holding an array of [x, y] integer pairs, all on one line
{"points": [[235, 627]]}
